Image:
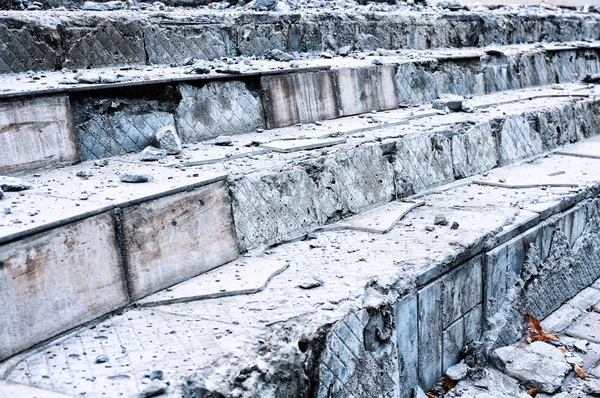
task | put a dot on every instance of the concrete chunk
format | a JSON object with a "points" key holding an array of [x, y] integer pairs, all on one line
{"points": [[169, 140], [538, 365]]}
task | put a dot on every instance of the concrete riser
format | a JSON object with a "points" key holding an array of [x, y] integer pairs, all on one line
{"points": [[425, 330], [77, 40], [64, 129], [88, 268]]}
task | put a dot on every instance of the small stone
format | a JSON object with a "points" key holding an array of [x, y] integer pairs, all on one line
{"points": [[134, 178], [151, 153], [327, 55], [263, 5], [450, 101], [377, 61], [328, 307], [282, 56], [454, 225], [156, 387], [108, 6], [89, 78], [223, 140], [344, 51], [429, 228], [494, 52], [12, 184], [200, 68], [581, 346], [440, 220], [7, 210], [169, 140], [457, 372], [468, 106], [311, 283], [101, 359], [156, 375], [502, 179]]}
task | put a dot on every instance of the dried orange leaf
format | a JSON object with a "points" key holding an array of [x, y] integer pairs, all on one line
{"points": [[430, 395], [582, 375], [536, 333], [533, 392], [563, 350], [523, 345], [528, 340]]}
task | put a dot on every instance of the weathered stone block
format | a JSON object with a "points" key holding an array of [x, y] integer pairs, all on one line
{"points": [[405, 317], [474, 151], [299, 98], [218, 108], [422, 161], [365, 89], [415, 83], [454, 337], [517, 140], [36, 133], [174, 238], [58, 279], [462, 290], [430, 334]]}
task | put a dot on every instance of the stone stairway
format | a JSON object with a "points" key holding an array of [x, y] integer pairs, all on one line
{"points": [[345, 237]]}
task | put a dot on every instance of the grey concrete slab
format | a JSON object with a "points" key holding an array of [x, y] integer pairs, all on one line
{"points": [[8, 389], [57, 280], [287, 146], [233, 279], [407, 334], [586, 327], [176, 237], [379, 220], [299, 98], [365, 89], [36, 133], [453, 342], [462, 290], [588, 149], [430, 335]]}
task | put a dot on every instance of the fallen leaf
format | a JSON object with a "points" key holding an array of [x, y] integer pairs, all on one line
{"points": [[582, 375], [528, 340], [430, 395], [591, 308], [533, 392], [563, 350], [448, 383], [536, 333], [523, 345]]}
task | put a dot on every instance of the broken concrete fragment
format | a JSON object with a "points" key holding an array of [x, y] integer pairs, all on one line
{"points": [[344, 51], [539, 365], [279, 55], [108, 6], [494, 52], [200, 68], [151, 153], [450, 101], [89, 78], [9, 184], [263, 5], [440, 220], [101, 359], [592, 387], [458, 371], [169, 140], [156, 387], [223, 140], [156, 375], [468, 106], [493, 385], [134, 178], [311, 283]]}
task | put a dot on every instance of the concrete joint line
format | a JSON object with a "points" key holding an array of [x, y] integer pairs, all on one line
{"points": [[522, 186], [120, 235]]}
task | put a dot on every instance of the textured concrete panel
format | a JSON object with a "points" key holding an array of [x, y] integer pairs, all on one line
{"points": [[405, 316], [474, 151], [462, 290], [299, 98], [517, 140], [218, 108], [36, 133], [362, 90], [430, 334], [422, 161], [454, 337], [174, 238], [56, 280], [119, 133]]}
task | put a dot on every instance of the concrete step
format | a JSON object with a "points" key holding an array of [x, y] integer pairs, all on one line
{"points": [[54, 40], [350, 310], [117, 242], [49, 124]]}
